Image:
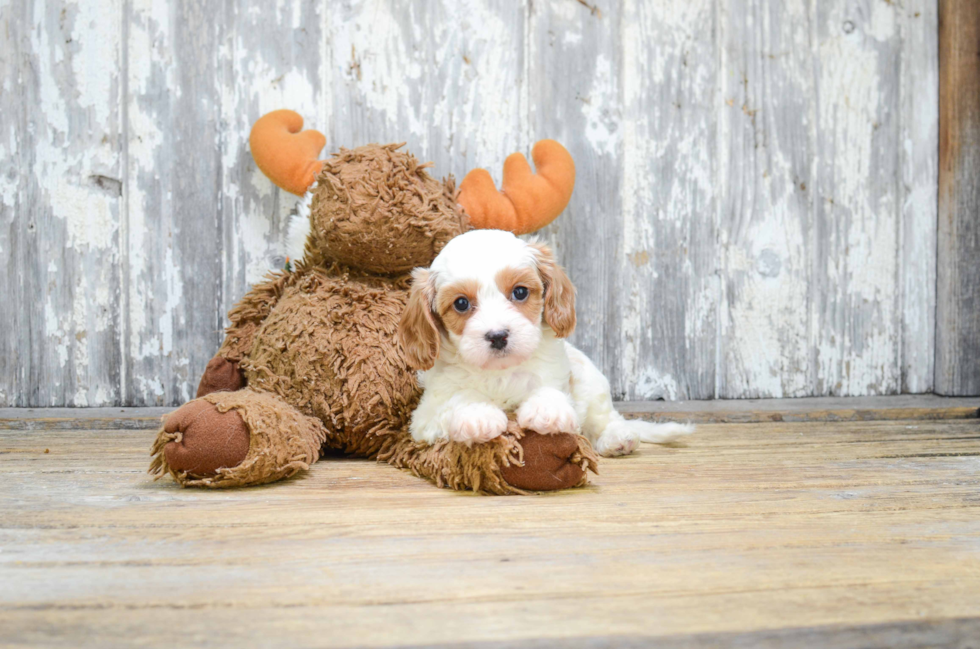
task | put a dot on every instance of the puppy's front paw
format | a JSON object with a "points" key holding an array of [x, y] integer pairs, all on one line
{"points": [[617, 439], [476, 423], [548, 414]]}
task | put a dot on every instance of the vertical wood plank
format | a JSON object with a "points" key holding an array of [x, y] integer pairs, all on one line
{"points": [[958, 285], [655, 288], [173, 252], [767, 141], [855, 311], [919, 145], [60, 206], [488, 103], [574, 96], [269, 58], [445, 77]]}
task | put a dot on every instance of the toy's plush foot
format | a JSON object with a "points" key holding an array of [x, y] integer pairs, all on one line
{"points": [[232, 439], [203, 439], [551, 462], [221, 375], [515, 463]]}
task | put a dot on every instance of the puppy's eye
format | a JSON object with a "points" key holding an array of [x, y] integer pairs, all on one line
{"points": [[461, 304], [520, 293]]}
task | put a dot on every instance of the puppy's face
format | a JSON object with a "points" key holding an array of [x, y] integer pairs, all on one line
{"points": [[489, 294], [494, 323]]}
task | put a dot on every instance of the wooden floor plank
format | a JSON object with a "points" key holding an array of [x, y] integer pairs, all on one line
{"points": [[765, 534]]}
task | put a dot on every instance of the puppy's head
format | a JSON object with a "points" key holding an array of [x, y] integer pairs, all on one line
{"points": [[488, 294]]}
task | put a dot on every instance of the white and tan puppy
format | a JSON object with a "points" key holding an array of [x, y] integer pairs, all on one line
{"points": [[484, 324]]}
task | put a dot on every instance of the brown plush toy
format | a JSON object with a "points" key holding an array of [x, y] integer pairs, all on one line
{"points": [[310, 362]]}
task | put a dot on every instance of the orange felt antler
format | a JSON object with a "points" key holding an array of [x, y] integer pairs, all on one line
{"points": [[283, 153], [526, 201]]}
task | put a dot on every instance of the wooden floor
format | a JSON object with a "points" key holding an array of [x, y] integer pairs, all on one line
{"points": [[846, 533]]}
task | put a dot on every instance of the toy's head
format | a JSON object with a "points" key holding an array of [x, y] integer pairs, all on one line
{"points": [[377, 209]]}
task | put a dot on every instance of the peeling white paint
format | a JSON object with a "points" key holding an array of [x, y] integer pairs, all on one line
{"points": [[56, 333], [9, 184], [708, 112], [919, 22], [145, 144], [173, 308], [863, 356], [73, 52], [601, 109], [655, 385], [376, 58], [95, 74], [667, 193], [882, 22], [88, 216], [488, 131]]}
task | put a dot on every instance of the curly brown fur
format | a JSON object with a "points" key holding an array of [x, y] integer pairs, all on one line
{"points": [[376, 208], [330, 351], [250, 312]]}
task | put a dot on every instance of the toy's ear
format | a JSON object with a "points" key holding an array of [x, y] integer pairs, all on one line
{"points": [[418, 331], [284, 152], [526, 201]]}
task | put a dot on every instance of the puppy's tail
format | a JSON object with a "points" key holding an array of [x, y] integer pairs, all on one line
{"points": [[665, 433]]}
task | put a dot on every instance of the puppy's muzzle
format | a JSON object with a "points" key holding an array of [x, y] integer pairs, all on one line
{"points": [[497, 339]]}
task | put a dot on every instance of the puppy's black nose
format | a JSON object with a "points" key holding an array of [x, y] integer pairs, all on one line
{"points": [[497, 339]]}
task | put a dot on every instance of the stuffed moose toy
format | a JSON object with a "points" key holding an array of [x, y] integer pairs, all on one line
{"points": [[311, 363]]}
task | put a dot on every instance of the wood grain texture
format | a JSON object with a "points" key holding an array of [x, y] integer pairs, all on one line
{"points": [[752, 535], [172, 258], [918, 191], [958, 263], [766, 176], [755, 213], [953, 633], [854, 311], [60, 203], [663, 272], [444, 77]]}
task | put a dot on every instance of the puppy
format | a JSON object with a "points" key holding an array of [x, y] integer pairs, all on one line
{"points": [[484, 325]]}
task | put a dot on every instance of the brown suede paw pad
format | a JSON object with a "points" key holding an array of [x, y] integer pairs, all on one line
{"points": [[204, 439], [549, 463]]}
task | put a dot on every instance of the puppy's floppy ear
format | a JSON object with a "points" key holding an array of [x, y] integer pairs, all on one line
{"points": [[418, 331], [559, 293]]}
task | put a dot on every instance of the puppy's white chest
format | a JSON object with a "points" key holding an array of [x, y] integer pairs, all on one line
{"points": [[510, 391]]}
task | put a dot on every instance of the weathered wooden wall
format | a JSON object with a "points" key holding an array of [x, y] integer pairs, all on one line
{"points": [[755, 213]]}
